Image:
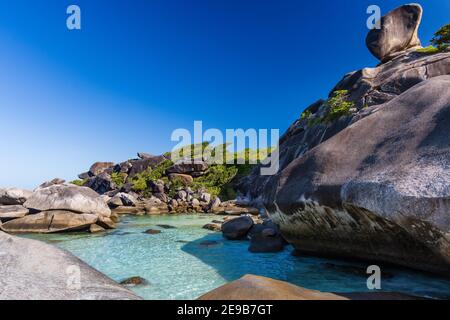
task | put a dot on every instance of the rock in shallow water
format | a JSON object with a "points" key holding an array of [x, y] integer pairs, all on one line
{"points": [[50, 222], [134, 281], [237, 229], [252, 287], [68, 197], [44, 270]]}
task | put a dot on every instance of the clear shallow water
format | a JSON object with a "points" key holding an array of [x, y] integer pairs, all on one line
{"points": [[179, 264]]}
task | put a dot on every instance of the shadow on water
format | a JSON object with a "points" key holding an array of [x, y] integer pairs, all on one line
{"points": [[232, 260]]}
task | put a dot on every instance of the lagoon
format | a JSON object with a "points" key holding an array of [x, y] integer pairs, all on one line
{"points": [[187, 261]]}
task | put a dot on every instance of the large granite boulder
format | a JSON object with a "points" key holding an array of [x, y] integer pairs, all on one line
{"points": [[100, 167], [251, 287], [139, 166], [237, 229], [70, 198], [52, 183], [377, 190], [194, 167], [14, 196], [101, 183], [398, 32], [32, 270], [50, 222], [12, 212]]}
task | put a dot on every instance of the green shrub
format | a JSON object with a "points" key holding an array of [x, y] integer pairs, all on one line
{"points": [[339, 106], [79, 183], [441, 38], [141, 180], [428, 50], [118, 178], [306, 115]]}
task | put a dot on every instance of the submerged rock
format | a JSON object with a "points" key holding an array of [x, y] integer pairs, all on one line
{"points": [[134, 281], [152, 231], [252, 287], [44, 271]]}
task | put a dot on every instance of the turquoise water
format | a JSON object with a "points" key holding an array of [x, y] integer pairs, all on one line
{"points": [[187, 261]]}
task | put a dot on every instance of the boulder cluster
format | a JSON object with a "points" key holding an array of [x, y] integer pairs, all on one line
{"points": [[366, 173], [53, 207]]}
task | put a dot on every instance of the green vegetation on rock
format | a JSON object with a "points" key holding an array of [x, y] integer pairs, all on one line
{"points": [[118, 179], [441, 38], [79, 183], [339, 106]]}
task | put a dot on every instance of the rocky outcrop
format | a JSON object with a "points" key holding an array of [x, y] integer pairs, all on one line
{"points": [[101, 183], [50, 222], [379, 189], [12, 212], [68, 197], [14, 196], [194, 168], [100, 167], [398, 32], [237, 229], [52, 183], [49, 273], [251, 287]]}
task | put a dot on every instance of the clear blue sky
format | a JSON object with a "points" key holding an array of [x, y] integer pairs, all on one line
{"points": [[139, 69]]}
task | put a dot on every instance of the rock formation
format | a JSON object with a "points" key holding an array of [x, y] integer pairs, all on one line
{"points": [[397, 33], [45, 271], [251, 287], [373, 183]]}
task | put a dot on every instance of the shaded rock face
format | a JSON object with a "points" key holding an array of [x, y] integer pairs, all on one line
{"points": [[237, 229], [139, 166], [12, 212], [191, 167], [366, 88], [68, 197], [398, 32], [379, 189], [14, 196], [50, 222], [101, 183], [252, 287], [44, 270]]}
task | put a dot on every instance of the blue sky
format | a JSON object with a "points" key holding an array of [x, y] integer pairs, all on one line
{"points": [[140, 69]]}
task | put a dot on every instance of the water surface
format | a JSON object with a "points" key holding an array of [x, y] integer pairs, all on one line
{"points": [[187, 261]]}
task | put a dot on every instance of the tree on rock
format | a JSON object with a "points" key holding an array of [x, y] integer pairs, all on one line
{"points": [[442, 37]]}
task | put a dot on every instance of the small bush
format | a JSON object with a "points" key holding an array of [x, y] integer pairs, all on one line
{"points": [[339, 106], [428, 50], [441, 38], [118, 178], [79, 183]]}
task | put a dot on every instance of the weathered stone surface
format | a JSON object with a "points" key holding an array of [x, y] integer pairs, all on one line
{"points": [[101, 183], [124, 199], [237, 229], [378, 190], [106, 222], [13, 212], [50, 222], [143, 155], [52, 182], [139, 166], [134, 281], [398, 32], [100, 167], [188, 167], [252, 287], [68, 197], [217, 227], [13, 196], [95, 228], [43, 270], [185, 179]]}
